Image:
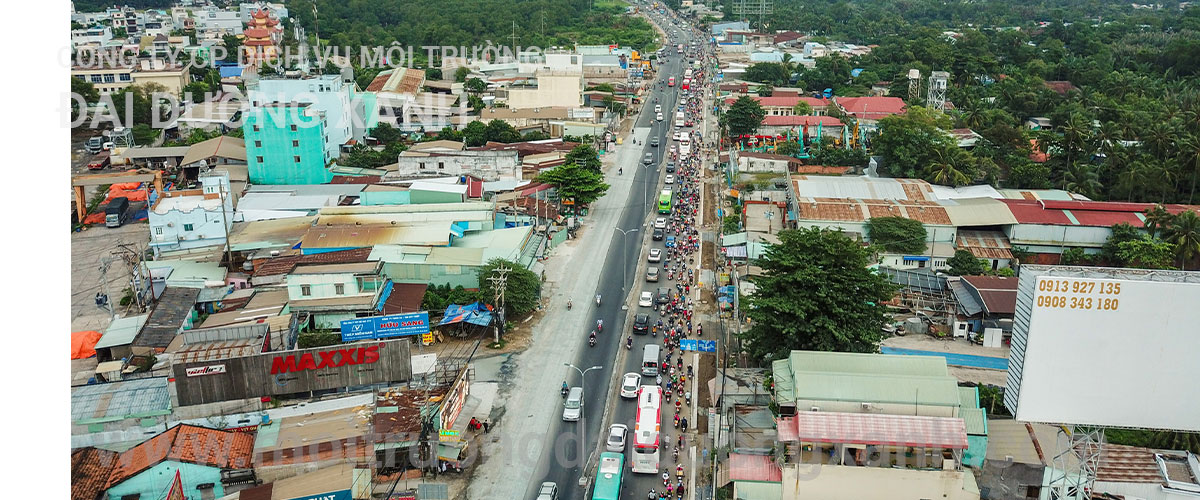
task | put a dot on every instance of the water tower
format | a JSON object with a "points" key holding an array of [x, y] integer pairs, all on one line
{"points": [[914, 85], [937, 90]]}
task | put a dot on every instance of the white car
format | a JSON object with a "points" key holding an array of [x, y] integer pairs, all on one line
{"points": [[646, 299], [670, 179], [657, 108], [655, 255], [629, 385], [616, 438], [660, 117], [661, 222]]}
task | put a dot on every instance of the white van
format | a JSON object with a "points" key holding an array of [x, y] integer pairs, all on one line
{"points": [[650, 360]]}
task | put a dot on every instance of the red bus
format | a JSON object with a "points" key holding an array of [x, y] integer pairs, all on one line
{"points": [[671, 81], [686, 83], [646, 430]]}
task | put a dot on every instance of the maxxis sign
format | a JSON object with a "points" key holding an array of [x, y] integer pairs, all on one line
{"points": [[292, 372]]}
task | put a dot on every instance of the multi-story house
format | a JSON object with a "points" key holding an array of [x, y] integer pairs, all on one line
{"points": [[194, 218], [285, 144]]}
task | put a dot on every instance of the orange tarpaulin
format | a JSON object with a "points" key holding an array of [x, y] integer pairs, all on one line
{"points": [[83, 344]]}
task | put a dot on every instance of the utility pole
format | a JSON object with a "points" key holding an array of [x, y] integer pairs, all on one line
{"points": [[499, 284], [134, 258]]}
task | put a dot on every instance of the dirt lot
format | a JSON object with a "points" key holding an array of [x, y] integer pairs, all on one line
{"points": [[88, 247]]}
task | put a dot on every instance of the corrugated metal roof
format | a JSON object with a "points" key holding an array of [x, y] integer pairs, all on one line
{"points": [[978, 212], [968, 304], [122, 331], [998, 293], [873, 429], [1128, 464], [919, 280], [744, 467], [119, 400], [167, 319], [930, 391], [427, 234], [975, 419], [861, 187], [871, 364]]}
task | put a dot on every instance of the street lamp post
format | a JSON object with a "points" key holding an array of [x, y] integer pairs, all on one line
{"points": [[624, 255]]}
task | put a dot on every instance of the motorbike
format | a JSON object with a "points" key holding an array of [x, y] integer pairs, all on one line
{"points": [[565, 389], [628, 343], [620, 171], [666, 479], [592, 342], [597, 299], [653, 495], [568, 305]]}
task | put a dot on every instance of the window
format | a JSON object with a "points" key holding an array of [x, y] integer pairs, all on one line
{"points": [[257, 144], [96, 79], [187, 227], [305, 290], [296, 158], [109, 78], [125, 77], [158, 230], [256, 129], [422, 165], [295, 144], [441, 165], [339, 288], [293, 128]]}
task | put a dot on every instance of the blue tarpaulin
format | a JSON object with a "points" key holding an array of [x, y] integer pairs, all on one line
{"points": [[475, 314]]}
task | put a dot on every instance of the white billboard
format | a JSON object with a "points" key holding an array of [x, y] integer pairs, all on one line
{"points": [[1107, 347]]}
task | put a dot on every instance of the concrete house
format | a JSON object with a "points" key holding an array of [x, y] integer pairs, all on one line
{"points": [[198, 454], [487, 165], [194, 218], [335, 292]]}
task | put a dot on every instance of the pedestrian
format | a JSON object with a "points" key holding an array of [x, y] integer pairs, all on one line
{"points": [[487, 425]]}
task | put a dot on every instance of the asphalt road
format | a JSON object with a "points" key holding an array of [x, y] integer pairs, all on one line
{"points": [[576, 441]]}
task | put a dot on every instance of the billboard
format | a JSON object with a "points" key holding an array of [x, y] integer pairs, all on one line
{"points": [[382, 327], [1106, 347], [290, 372]]}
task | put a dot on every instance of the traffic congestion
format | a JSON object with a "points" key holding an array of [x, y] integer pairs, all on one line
{"points": [[646, 444]]}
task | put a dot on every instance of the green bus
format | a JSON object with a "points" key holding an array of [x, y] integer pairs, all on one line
{"points": [[608, 476], [664, 202]]}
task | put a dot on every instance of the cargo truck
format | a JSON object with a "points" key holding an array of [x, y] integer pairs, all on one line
{"points": [[116, 212]]}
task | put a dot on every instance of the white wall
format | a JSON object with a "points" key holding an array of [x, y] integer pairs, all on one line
{"points": [[488, 165], [170, 230]]}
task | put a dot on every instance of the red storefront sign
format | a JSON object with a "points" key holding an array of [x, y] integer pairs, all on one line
{"points": [[325, 359]]}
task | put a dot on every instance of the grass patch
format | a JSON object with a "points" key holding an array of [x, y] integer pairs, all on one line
{"points": [[497, 345]]}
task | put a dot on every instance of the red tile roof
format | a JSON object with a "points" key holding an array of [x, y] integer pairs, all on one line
{"points": [[785, 101], [1083, 213], [1060, 87], [873, 429], [821, 170], [753, 468], [286, 263], [852, 210], [871, 108], [405, 298], [90, 468], [186, 443], [800, 121], [1128, 464], [985, 244]]}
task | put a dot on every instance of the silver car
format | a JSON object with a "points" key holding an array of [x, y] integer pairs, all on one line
{"points": [[548, 491], [573, 407], [616, 438]]}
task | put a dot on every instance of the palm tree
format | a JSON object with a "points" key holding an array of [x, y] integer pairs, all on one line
{"points": [[1189, 156], [1081, 178], [1184, 233], [1158, 219], [948, 167]]}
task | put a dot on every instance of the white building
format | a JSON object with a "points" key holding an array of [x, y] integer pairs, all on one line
{"points": [[96, 36], [215, 19], [195, 218], [487, 165]]}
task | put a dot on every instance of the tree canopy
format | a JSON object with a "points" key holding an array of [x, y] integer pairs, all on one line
{"points": [[522, 289], [575, 182], [817, 294], [744, 116], [897, 234]]}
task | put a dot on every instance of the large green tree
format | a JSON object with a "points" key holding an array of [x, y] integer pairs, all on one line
{"points": [[1184, 234], [909, 143], [964, 263], [584, 155], [522, 288], [576, 183], [744, 116], [817, 294], [897, 234], [501, 131]]}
